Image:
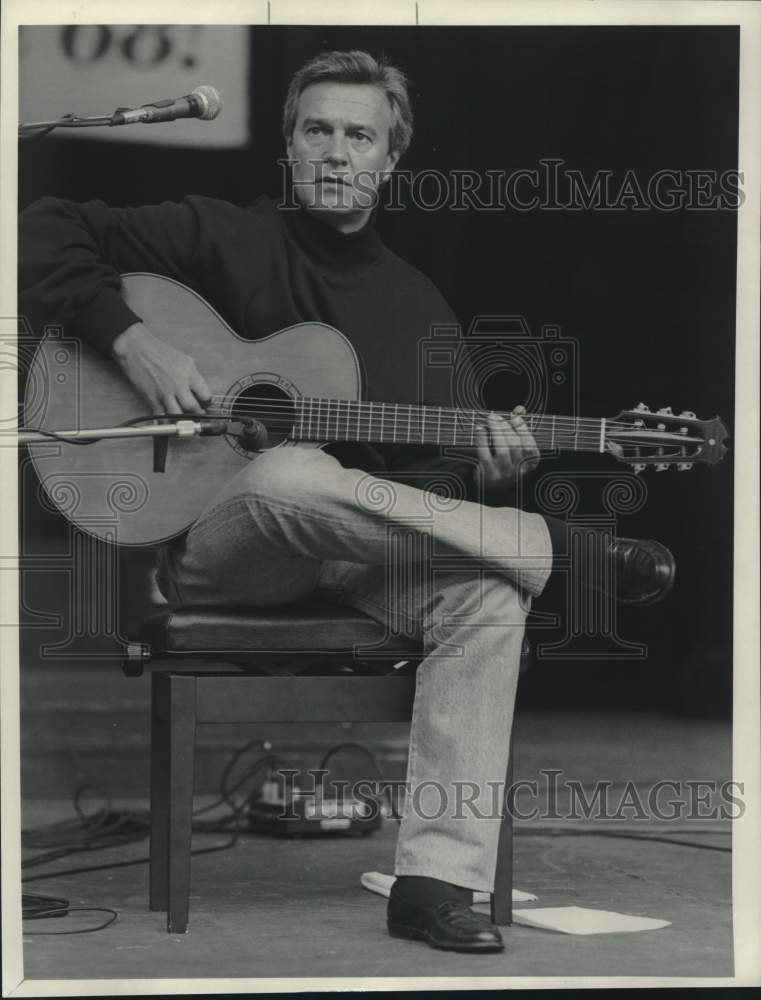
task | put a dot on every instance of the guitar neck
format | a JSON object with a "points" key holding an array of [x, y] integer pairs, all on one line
{"points": [[317, 419]]}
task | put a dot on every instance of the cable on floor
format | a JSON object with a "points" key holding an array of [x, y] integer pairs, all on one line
{"points": [[35, 907]]}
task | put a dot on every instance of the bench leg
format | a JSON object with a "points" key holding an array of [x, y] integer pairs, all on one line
{"points": [[502, 897], [181, 720], [159, 844]]}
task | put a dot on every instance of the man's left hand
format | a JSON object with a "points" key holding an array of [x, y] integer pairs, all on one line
{"points": [[506, 452]]}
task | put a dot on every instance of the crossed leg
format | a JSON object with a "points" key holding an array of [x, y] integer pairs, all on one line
{"points": [[296, 523]]}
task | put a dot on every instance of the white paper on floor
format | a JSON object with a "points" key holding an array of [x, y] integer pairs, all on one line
{"points": [[380, 883], [582, 920]]}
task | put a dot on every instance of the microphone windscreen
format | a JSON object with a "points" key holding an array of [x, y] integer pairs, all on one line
{"points": [[211, 99]]}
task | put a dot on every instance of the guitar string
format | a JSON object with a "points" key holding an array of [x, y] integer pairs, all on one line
{"points": [[683, 449], [454, 422], [327, 406], [367, 424], [329, 402], [320, 412]]}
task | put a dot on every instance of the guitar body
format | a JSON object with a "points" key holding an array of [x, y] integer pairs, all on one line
{"points": [[110, 488], [302, 383]]}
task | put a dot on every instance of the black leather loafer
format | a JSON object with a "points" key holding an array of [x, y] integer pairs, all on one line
{"points": [[643, 570], [450, 925]]}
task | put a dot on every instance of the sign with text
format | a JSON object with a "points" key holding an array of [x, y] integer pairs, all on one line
{"points": [[93, 69]]}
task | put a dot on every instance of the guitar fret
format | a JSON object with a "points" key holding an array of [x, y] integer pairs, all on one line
{"points": [[319, 419]]}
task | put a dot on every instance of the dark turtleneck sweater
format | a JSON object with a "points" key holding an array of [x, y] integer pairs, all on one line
{"points": [[263, 269]]}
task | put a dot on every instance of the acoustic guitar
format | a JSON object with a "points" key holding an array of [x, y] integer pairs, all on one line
{"points": [[302, 383]]}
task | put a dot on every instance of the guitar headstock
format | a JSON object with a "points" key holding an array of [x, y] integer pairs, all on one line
{"points": [[664, 438]]}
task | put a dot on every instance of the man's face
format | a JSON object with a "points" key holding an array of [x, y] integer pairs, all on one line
{"points": [[340, 150]]}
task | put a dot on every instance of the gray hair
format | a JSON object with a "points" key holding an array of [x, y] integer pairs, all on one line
{"points": [[355, 67]]}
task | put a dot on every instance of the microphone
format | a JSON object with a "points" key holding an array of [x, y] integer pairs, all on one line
{"points": [[255, 435], [204, 103], [252, 434]]}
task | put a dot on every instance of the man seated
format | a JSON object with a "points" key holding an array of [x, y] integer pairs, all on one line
{"points": [[297, 522]]}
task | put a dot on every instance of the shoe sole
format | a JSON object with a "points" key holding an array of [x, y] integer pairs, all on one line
{"points": [[416, 934]]}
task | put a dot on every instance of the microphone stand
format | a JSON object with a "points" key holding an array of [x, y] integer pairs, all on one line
{"points": [[253, 432], [30, 130], [181, 428]]}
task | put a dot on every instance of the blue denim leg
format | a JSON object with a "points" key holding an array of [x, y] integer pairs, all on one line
{"points": [[290, 509], [471, 625], [295, 522]]}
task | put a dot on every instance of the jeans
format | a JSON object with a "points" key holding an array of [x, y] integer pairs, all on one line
{"points": [[456, 575]]}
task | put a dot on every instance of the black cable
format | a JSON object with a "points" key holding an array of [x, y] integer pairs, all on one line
{"points": [[105, 828], [133, 422], [70, 120], [79, 930], [36, 133], [227, 792], [127, 864], [138, 824], [35, 907], [56, 437], [110, 828]]}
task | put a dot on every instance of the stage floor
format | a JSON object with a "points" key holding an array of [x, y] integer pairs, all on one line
{"points": [[271, 908]]}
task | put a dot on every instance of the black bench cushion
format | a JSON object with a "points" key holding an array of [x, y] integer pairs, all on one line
{"points": [[315, 627]]}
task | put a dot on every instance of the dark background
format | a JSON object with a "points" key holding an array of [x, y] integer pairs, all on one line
{"points": [[649, 295]]}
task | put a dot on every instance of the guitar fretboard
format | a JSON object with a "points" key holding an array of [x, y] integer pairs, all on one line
{"points": [[318, 419]]}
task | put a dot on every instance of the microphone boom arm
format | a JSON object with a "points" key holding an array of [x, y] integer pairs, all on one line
{"points": [[204, 103]]}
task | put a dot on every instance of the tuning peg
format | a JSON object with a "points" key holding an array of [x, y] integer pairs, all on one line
{"points": [[638, 467], [661, 466], [688, 413], [683, 466], [665, 409], [642, 408]]}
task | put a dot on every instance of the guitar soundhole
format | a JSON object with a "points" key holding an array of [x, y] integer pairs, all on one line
{"points": [[271, 406]]}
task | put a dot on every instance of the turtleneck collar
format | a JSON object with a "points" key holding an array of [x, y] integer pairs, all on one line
{"points": [[337, 255]]}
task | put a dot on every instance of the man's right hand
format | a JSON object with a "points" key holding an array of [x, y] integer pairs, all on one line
{"points": [[167, 378]]}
